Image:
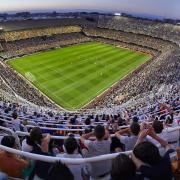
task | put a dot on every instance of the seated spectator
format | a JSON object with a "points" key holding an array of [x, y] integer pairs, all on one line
{"points": [[27, 145], [31, 143], [169, 121], [129, 136], [87, 121], [98, 170], [123, 168], [88, 127], [23, 126], [40, 145], [16, 122], [71, 151], [11, 164]]}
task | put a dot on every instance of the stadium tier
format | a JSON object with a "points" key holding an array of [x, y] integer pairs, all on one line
{"points": [[26, 34], [45, 23], [152, 28]]}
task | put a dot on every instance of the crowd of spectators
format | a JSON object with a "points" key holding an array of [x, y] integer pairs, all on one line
{"points": [[27, 46], [22, 87], [164, 54], [32, 45], [144, 128], [161, 70], [30, 33], [135, 47], [149, 139], [19, 25], [4, 87], [132, 38], [151, 28]]}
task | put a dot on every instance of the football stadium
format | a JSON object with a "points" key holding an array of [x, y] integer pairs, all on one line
{"points": [[89, 96]]}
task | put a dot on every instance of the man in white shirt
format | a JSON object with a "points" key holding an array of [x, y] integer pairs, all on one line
{"points": [[161, 132], [129, 136], [16, 122], [71, 151], [168, 134], [98, 170]]}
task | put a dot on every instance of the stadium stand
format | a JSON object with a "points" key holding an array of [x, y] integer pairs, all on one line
{"points": [[44, 23], [32, 45], [168, 55], [18, 122], [22, 87], [139, 116], [161, 30], [25, 34]]}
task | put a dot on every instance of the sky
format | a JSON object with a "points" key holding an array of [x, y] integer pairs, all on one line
{"points": [[160, 8]]}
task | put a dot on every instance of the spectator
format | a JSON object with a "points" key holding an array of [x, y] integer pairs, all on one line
{"points": [[148, 160], [129, 140], [16, 122], [71, 151], [158, 129], [123, 168], [40, 145], [10, 164], [98, 170]]}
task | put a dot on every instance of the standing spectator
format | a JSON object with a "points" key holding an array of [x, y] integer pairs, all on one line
{"points": [[101, 145], [159, 130], [71, 151], [40, 145], [129, 136]]}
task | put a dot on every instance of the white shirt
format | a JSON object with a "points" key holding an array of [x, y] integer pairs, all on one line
{"points": [[163, 135], [26, 147], [96, 148], [16, 124], [173, 137], [128, 141]]}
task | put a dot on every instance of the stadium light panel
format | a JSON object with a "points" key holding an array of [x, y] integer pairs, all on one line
{"points": [[117, 14]]}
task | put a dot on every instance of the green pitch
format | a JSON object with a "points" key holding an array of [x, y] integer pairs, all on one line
{"points": [[75, 75]]}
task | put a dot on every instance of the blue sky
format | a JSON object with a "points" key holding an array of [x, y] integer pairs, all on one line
{"points": [[165, 8]]}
